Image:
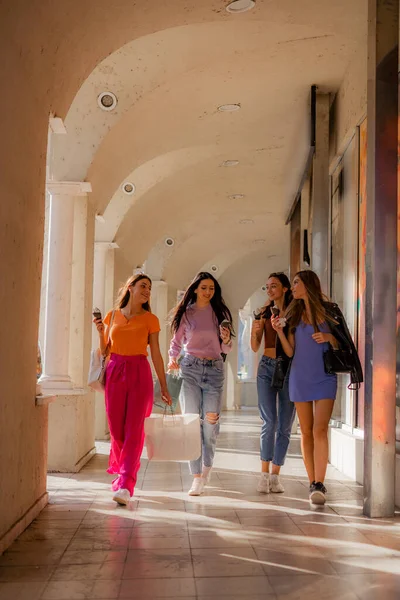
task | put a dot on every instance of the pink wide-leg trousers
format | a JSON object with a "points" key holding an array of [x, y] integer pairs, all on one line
{"points": [[129, 400]]}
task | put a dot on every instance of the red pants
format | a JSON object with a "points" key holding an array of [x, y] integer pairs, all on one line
{"points": [[129, 400]]}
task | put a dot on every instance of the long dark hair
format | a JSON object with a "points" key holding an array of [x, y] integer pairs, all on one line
{"points": [[284, 279], [218, 305], [124, 295], [318, 302]]}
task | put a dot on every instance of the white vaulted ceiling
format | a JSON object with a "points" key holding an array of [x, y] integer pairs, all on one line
{"points": [[168, 138]]}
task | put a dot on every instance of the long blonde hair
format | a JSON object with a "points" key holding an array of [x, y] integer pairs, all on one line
{"points": [[317, 300], [124, 295]]}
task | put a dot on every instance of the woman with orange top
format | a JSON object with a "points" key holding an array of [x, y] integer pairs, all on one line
{"points": [[129, 329]]}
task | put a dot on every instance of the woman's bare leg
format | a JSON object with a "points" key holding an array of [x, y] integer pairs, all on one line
{"points": [[306, 420], [322, 415], [264, 466]]}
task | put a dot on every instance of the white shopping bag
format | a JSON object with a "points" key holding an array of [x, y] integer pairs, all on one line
{"points": [[96, 371], [172, 437]]}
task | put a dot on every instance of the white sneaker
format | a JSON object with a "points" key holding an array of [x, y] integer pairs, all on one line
{"points": [[276, 485], [263, 484], [206, 475], [197, 487], [122, 497]]}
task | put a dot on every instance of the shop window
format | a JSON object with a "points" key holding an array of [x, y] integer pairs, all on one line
{"points": [[344, 263]]}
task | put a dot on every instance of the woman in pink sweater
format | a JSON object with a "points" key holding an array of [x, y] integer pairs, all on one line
{"points": [[202, 326]]}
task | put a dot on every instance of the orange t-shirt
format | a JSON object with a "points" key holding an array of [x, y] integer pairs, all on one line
{"points": [[130, 338]]}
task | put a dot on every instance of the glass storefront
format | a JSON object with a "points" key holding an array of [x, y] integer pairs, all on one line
{"points": [[344, 263]]}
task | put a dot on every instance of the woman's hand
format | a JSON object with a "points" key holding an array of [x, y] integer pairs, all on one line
{"points": [[277, 323], [257, 326], [173, 364], [99, 325], [225, 335], [321, 338], [165, 395]]}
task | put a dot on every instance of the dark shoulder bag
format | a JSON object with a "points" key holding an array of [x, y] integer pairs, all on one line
{"points": [[340, 360], [282, 365]]}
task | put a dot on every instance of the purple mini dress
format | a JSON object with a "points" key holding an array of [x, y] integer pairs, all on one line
{"points": [[308, 380]]}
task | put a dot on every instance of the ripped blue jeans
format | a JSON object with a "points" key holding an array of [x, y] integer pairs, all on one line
{"points": [[201, 393]]}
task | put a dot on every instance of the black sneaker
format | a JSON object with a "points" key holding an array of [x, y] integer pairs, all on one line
{"points": [[317, 493]]}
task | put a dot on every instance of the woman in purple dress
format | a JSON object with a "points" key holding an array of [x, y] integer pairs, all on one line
{"points": [[311, 389]]}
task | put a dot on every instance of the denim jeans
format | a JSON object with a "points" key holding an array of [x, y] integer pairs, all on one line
{"points": [[201, 393], [277, 421]]}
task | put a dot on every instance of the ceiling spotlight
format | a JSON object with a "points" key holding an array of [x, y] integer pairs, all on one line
{"points": [[229, 107], [240, 6], [236, 196], [128, 188], [107, 101], [246, 221], [230, 163], [214, 268], [169, 242]]}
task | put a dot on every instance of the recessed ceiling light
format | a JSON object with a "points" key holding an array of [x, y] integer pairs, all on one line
{"points": [[229, 107], [240, 6], [214, 268], [246, 221], [128, 188], [236, 196], [107, 101], [169, 242], [230, 163]]}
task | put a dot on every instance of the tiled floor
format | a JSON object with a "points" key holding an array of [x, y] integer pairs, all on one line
{"points": [[229, 543]]}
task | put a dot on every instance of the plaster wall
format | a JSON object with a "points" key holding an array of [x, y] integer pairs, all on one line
{"points": [[350, 104]]}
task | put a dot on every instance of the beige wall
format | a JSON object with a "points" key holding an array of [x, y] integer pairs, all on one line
{"points": [[23, 426], [350, 105], [44, 67]]}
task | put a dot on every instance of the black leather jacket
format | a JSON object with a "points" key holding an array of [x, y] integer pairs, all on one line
{"points": [[343, 336]]}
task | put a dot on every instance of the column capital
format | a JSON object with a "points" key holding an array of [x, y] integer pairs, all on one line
{"points": [[69, 188], [159, 283], [106, 245]]}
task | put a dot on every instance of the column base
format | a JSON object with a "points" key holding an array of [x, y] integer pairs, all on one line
{"points": [[54, 383], [71, 432]]}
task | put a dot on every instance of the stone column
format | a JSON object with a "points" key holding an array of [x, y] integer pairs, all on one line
{"points": [[101, 256], [102, 251], [55, 376], [320, 194], [159, 306], [381, 259]]}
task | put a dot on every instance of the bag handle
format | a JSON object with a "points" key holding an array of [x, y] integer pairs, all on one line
{"points": [[165, 414]]}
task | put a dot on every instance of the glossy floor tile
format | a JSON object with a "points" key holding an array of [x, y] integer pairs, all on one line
{"points": [[231, 542]]}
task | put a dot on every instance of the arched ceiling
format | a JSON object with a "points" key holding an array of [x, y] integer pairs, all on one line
{"points": [[167, 136], [246, 275]]}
